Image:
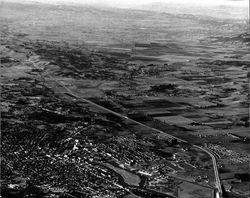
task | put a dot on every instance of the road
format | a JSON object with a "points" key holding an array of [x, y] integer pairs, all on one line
{"points": [[217, 178], [216, 172]]}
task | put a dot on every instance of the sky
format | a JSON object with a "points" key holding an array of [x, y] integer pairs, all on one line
{"points": [[133, 3]]}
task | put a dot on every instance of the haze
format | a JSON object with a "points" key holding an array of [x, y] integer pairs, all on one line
{"points": [[133, 3]]}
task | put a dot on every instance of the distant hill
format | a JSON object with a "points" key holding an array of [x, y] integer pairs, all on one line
{"points": [[219, 11], [107, 25]]}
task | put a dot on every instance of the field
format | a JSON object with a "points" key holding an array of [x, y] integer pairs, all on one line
{"points": [[129, 178], [188, 190]]}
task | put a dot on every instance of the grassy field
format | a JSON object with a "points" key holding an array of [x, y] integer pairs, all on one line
{"points": [[128, 177], [189, 190]]}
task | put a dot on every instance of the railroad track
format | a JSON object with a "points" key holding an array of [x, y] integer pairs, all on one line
{"points": [[70, 92]]}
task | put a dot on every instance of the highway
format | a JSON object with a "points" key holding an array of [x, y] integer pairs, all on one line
{"points": [[217, 178], [216, 172]]}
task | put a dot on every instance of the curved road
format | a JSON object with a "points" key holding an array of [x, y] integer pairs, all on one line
{"points": [[216, 172], [217, 178]]}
